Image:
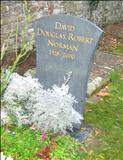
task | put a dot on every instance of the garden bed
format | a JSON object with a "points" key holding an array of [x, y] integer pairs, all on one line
{"points": [[22, 143]]}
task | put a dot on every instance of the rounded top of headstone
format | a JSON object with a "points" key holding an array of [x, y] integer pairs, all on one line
{"points": [[68, 18]]}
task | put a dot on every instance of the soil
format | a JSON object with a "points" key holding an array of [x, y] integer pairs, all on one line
{"points": [[112, 37]]}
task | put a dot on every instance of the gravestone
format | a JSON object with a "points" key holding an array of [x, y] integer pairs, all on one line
{"points": [[65, 46]]}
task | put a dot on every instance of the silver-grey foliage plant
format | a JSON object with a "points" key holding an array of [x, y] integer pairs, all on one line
{"points": [[50, 109]]}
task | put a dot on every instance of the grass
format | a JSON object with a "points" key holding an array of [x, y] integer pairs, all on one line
{"points": [[106, 116], [118, 50]]}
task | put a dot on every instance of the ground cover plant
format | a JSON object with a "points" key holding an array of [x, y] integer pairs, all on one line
{"points": [[23, 143], [26, 102]]}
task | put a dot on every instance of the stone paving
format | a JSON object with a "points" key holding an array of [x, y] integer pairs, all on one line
{"points": [[104, 64]]}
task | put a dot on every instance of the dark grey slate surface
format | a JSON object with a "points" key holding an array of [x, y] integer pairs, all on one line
{"points": [[66, 44]]}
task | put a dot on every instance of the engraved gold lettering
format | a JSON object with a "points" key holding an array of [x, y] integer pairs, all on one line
{"points": [[62, 54], [51, 34], [63, 45], [69, 36], [79, 38], [61, 26]]}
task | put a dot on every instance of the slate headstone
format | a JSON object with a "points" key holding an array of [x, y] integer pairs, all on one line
{"points": [[66, 45]]}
